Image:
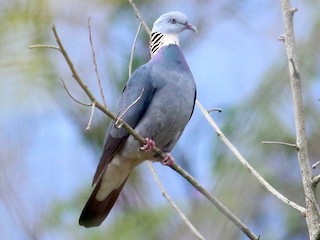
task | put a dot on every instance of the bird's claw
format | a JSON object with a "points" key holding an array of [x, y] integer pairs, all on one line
{"points": [[149, 146], [168, 160]]}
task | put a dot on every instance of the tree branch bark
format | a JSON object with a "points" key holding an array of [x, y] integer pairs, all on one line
{"points": [[312, 214]]}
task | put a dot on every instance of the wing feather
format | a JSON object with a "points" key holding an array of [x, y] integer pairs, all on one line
{"points": [[139, 86]]}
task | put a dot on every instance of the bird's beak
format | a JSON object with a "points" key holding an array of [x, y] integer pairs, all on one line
{"points": [[191, 27]]}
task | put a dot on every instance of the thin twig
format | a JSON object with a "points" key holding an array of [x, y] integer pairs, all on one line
{"points": [[44, 46], [91, 116], [118, 123], [281, 143], [214, 110], [138, 15], [72, 97], [172, 203], [235, 151], [156, 150], [133, 49], [95, 64], [316, 180], [315, 165]]}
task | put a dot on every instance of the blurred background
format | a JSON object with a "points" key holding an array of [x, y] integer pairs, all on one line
{"points": [[47, 159]]}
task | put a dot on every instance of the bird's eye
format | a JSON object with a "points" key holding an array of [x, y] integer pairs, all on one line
{"points": [[173, 21]]}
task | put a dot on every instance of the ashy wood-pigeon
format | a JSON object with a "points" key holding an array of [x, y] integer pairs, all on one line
{"points": [[157, 101]]}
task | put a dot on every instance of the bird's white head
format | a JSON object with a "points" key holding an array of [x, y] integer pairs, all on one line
{"points": [[172, 23], [166, 30]]}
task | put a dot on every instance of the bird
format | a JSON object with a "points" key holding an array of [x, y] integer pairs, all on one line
{"points": [[157, 102]]}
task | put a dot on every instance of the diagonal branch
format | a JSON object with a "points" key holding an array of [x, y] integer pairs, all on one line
{"points": [[138, 15], [247, 164], [172, 203]]}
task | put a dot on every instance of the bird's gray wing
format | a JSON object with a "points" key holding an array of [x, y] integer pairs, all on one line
{"points": [[135, 99]]}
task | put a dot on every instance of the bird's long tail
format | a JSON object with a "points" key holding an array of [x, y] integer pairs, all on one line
{"points": [[96, 211]]}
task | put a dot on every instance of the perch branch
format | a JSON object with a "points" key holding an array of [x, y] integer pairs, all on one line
{"points": [[142, 140], [225, 211], [238, 155], [312, 214]]}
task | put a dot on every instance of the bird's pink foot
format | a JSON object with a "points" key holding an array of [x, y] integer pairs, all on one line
{"points": [[149, 146], [168, 160]]}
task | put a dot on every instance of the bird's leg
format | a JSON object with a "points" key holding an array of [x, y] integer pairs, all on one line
{"points": [[168, 160], [149, 146]]}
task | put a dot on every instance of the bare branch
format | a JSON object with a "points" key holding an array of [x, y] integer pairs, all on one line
{"points": [[313, 216], [281, 143], [214, 110], [175, 207], [91, 116], [225, 211], [138, 15], [246, 163], [95, 64], [133, 49], [316, 180], [315, 165], [73, 98], [44, 46]]}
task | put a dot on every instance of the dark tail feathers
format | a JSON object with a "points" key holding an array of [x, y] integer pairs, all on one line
{"points": [[94, 212]]}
